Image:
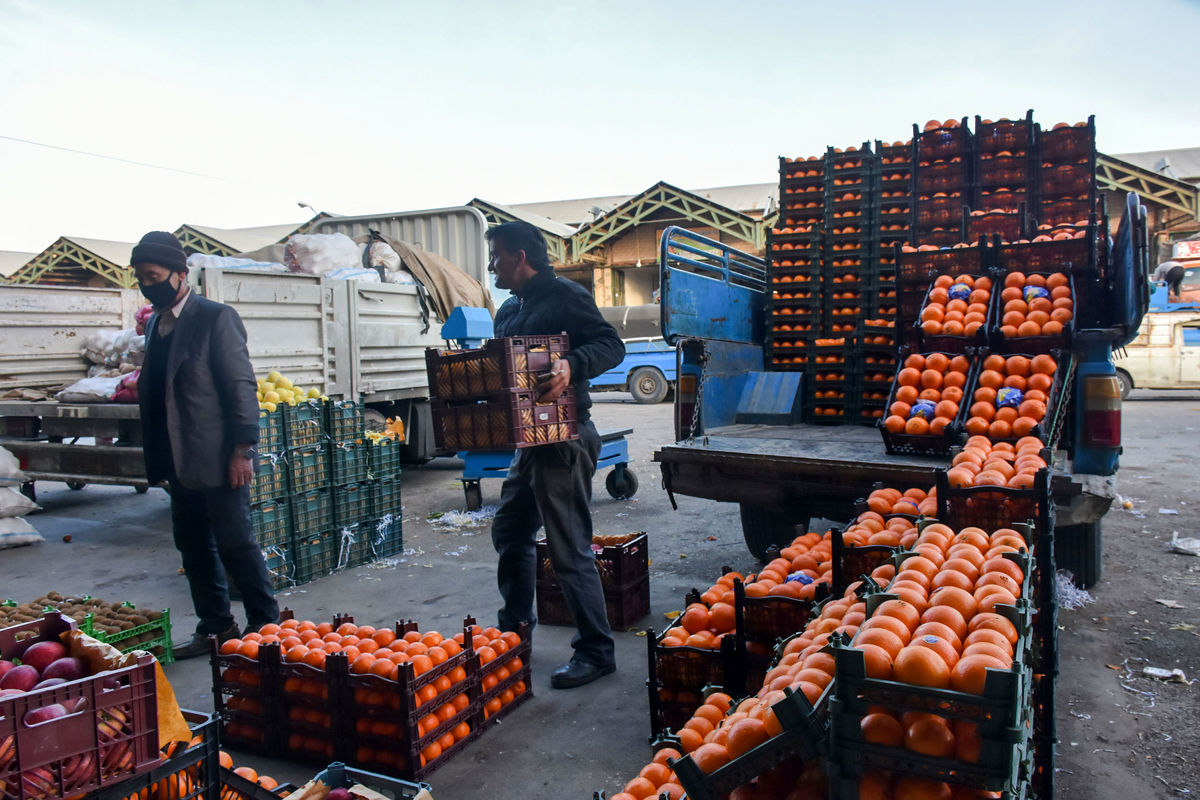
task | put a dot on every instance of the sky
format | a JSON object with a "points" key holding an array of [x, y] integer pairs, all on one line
{"points": [[121, 117]]}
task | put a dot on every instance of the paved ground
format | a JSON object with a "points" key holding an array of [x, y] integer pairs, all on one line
{"points": [[568, 744]]}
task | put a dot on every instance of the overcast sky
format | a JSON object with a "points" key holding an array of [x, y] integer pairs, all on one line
{"points": [[244, 109]]}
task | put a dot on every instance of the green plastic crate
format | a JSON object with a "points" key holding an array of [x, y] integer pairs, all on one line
{"points": [[280, 568], [384, 458], [351, 504], [304, 424], [312, 513], [313, 556], [270, 431], [309, 468], [348, 462], [385, 498], [344, 421], [159, 645], [272, 522], [372, 540], [272, 479]]}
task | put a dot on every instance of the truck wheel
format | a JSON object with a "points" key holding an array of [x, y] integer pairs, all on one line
{"points": [[763, 528], [75, 486], [647, 385], [1126, 381], [1078, 548], [621, 486], [141, 489], [29, 489]]}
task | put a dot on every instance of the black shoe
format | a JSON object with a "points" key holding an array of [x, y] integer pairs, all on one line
{"points": [[578, 672], [198, 644]]}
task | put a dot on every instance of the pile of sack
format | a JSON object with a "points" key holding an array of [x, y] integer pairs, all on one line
{"points": [[115, 360], [14, 530]]}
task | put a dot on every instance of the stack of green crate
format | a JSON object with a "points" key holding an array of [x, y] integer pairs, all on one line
{"points": [[381, 536], [270, 508], [348, 467], [312, 551]]}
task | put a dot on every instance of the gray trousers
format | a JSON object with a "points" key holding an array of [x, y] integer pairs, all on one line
{"points": [[551, 485]]}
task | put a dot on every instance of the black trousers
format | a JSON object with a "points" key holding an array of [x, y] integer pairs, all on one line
{"points": [[215, 538], [551, 485]]}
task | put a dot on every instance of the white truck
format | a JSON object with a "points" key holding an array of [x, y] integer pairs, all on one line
{"points": [[352, 340], [1166, 352]]}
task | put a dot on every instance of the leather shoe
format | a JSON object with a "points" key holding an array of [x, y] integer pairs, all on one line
{"points": [[577, 672], [198, 644]]}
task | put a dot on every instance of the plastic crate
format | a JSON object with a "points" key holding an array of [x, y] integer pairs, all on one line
{"points": [[1008, 225], [304, 424], [624, 605], [246, 698], [351, 504], [312, 512], [619, 559], [383, 458], [513, 362], [349, 462], [270, 431], [1049, 429], [385, 498], [308, 468], [920, 266], [113, 736], [693, 668], [272, 480], [344, 421], [1076, 255], [994, 507], [942, 142], [338, 775], [272, 522], [1034, 345], [193, 772], [952, 174], [310, 727], [1069, 143], [369, 541], [947, 343], [928, 444], [765, 619], [1004, 134], [510, 419], [159, 631], [314, 555]]}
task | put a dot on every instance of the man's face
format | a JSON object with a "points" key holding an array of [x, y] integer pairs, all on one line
{"points": [[150, 274], [505, 265]]}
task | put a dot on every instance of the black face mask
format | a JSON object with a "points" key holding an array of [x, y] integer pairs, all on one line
{"points": [[162, 294]]}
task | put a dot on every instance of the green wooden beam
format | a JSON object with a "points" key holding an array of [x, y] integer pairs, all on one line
{"points": [[556, 246], [661, 196], [194, 241], [65, 254], [1117, 175]]}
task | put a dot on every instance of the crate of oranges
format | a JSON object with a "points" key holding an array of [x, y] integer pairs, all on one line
{"points": [[1015, 396], [924, 410], [955, 313], [994, 485], [941, 694], [1035, 313]]}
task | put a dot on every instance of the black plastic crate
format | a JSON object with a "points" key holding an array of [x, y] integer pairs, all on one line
{"points": [[926, 444], [624, 605], [272, 522], [1068, 143], [1049, 428], [312, 512], [512, 362], [1004, 134], [349, 462], [949, 175], [188, 772], [693, 668], [950, 343], [619, 559], [351, 504], [993, 507], [765, 619], [383, 458], [944, 210], [344, 421], [509, 419], [270, 431], [914, 265], [1075, 255], [1066, 211], [304, 424], [942, 141], [1008, 225], [308, 468], [272, 480], [1035, 345]]}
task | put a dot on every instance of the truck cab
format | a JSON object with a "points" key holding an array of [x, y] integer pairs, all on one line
{"points": [[1165, 354]]}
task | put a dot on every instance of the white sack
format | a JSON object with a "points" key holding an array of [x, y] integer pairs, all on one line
{"points": [[318, 253], [90, 390], [15, 532], [353, 274], [10, 468], [15, 504]]}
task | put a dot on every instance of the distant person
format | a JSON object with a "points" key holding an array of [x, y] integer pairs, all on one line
{"points": [[1171, 273], [199, 428], [551, 484]]}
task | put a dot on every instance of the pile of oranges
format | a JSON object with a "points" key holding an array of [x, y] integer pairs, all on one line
{"points": [[888, 501], [956, 306], [249, 773], [1012, 396], [1035, 304], [985, 463], [927, 393]]}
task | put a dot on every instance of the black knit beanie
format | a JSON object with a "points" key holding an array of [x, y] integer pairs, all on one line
{"points": [[161, 248]]}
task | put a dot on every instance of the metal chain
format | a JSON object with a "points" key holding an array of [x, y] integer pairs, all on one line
{"points": [[696, 407]]}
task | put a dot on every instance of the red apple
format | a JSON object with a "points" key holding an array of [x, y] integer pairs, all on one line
{"points": [[5, 666], [41, 654], [46, 683], [45, 714], [24, 678], [70, 669]]}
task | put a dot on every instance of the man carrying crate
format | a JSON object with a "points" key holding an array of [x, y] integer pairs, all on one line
{"points": [[551, 484]]}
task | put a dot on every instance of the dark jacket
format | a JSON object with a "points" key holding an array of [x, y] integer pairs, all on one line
{"points": [[211, 396], [551, 305]]}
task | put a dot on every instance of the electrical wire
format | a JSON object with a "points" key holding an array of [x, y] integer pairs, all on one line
{"points": [[111, 158]]}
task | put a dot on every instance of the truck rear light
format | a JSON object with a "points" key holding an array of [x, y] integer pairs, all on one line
{"points": [[685, 405], [1102, 411]]}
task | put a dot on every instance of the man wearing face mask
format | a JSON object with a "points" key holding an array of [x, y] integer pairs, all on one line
{"points": [[199, 412]]}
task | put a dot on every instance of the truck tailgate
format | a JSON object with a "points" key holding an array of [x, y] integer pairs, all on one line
{"points": [[771, 464]]}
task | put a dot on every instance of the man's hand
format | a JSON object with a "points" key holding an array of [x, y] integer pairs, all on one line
{"points": [[241, 469], [560, 379]]}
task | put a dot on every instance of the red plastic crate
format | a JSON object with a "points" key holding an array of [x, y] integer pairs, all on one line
{"points": [[111, 735], [513, 362]]}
